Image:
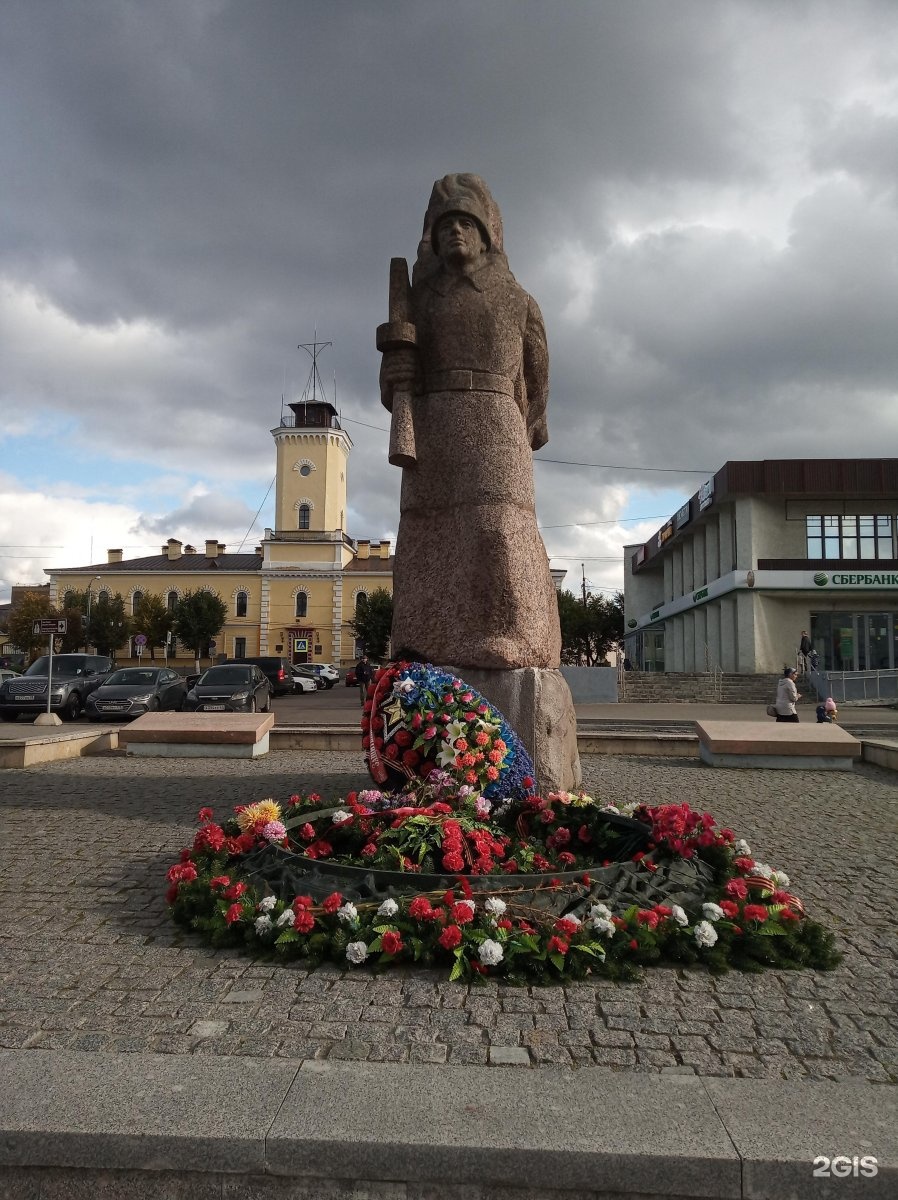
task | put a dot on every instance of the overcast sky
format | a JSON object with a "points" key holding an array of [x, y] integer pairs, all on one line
{"points": [[700, 196]]}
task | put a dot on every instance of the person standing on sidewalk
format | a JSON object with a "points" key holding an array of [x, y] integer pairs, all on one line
{"points": [[363, 676], [786, 697], [804, 649]]}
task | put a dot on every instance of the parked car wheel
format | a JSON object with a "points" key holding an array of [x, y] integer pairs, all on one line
{"points": [[72, 708]]}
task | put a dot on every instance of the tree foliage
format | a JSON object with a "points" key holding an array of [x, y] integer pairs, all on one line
{"points": [[153, 619], [33, 607], [198, 619], [373, 622], [589, 630], [108, 628]]}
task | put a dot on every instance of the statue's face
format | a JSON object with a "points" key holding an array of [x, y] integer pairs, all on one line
{"points": [[459, 239]]}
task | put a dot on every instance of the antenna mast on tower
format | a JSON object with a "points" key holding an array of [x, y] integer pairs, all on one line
{"points": [[313, 348]]}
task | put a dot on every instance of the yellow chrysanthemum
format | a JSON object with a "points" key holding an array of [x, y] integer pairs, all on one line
{"points": [[263, 810]]}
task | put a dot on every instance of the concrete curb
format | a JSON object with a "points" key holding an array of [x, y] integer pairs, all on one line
{"points": [[435, 1130]]}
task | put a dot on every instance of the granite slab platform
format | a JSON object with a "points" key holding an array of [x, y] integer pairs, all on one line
{"points": [[199, 735], [246, 1127], [782, 746]]}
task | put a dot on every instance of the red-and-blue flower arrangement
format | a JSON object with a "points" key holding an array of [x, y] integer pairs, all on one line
{"points": [[419, 718]]}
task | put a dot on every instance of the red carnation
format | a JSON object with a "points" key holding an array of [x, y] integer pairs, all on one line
{"points": [[333, 902], [368, 850], [210, 837], [755, 912], [391, 942], [737, 888], [235, 891], [234, 913], [743, 865], [462, 913], [205, 814], [420, 909], [450, 937], [411, 758], [559, 945], [182, 873], [303, 921], [730, 909], [302, 902], [565, 925], [220, 881]]}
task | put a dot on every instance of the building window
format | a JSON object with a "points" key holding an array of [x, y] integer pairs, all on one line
{"points": [[68, 600], [361, 602], [135, 600], [302, 604], [305, 469], [240, 647], [304, 514], [851, 537], [171, 600], [241, 604]]}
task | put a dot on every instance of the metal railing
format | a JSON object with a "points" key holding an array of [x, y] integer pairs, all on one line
{"points": [[856, 687]]}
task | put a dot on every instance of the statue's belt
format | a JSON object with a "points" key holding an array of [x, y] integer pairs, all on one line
{"points": [[468, 381]]}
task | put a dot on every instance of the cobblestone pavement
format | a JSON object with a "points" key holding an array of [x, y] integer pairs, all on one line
{"points": [[91, 962]]}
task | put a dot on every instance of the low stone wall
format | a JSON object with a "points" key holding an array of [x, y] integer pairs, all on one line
{"points": [[592, 685]]}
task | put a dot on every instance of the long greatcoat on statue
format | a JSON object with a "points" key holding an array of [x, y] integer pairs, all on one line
{"points": [[471, 577]]}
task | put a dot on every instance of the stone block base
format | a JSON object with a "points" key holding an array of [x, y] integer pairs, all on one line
{"points": [[537, 703]]}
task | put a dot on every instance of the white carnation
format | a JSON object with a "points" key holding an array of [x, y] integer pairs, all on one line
{"points": [[490, 953], [780, 878], [340, 816], [705, 933], [712, 912], [679, 915], [267, 903], [348, 912], [742, 848], [762, 869], [356, 952], [389, 908], [603, 926], [600, 912], [263, 923], [286, 918], [495, 906]]}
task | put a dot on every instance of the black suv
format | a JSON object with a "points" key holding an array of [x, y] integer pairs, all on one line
{"points": [[278, 672], [75, 676]]}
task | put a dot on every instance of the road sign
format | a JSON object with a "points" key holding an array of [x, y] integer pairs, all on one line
{"points": [[51, 625], [300, 645], [140, 639]]}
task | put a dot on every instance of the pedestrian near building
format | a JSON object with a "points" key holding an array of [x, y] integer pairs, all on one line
{"points": [[363, 676], [787, 696], [804, 649]]}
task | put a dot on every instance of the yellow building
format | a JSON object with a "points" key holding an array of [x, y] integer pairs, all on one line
{"points": [[296, 593]]}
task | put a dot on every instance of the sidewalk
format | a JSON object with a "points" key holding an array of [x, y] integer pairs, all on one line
{"points": [[94, 972]]}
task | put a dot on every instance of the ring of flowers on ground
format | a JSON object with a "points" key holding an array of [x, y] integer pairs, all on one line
{"points": [[530, 888]]}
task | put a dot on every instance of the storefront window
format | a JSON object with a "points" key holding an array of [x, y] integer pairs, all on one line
{"points": [[846, 641]]}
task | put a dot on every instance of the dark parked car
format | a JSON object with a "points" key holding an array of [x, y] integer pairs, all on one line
{"points": [[75, 676], [133, 691], [232, 687], [278, 672]]}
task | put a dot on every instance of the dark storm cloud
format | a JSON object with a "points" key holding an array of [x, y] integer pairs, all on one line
{"points": [[193, 189]]}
